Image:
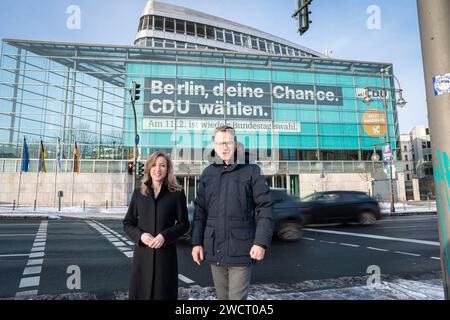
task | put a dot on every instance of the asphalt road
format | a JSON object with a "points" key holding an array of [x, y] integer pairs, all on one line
{"points": [[39, 257]]}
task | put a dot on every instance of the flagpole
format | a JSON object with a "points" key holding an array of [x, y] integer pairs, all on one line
{"points": [[73, 171], [21, 167], [56, 173], [37, 176]]}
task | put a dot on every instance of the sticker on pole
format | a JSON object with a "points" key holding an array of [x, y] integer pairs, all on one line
{"points": [[387, 153], [441, 84]]}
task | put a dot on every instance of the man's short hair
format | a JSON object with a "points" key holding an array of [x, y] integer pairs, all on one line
{"points": [[225, 128]]}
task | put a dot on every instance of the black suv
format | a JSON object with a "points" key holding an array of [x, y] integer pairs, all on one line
{"points": [[340, 206], [288, 220]]}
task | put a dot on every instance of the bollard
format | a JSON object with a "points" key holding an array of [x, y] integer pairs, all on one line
{"points": [[34, 205], [84, 205], [106, 204], [429, 202], [14, 204], [404, 205]]}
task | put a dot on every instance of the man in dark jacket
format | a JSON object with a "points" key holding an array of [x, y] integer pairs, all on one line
{"points": [[232, 225]]}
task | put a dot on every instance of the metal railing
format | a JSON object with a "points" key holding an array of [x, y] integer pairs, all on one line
{"points": [[195, 168]]}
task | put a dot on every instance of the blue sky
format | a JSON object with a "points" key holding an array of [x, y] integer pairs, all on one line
{"points": [[337, 25]]}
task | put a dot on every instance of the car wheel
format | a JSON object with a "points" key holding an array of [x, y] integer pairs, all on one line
{"points": [[290, 231], [367, 218]]}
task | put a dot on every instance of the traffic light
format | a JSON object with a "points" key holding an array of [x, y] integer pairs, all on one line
{"points": [[135, 91], [130, 167], [140, 172], [303, 16]]}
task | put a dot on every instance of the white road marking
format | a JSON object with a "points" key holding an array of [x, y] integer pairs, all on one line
{"points": [[109, 235], [33, 262], [373, 236], [310, 239], [32, 270], [329, 242], [14, 255], [349, 244], [436, 258], [185, 279], [16, 234], [37, 249], [408, 253], [36, 254], [29, 282], [377, 249], [34, 266], [27, 293]]}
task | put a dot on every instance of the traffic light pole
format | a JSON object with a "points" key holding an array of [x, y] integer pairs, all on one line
{"points": [[434, 32], [135, 147]]}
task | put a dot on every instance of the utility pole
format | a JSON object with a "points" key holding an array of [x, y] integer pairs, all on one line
{"points": [[434, 32]]}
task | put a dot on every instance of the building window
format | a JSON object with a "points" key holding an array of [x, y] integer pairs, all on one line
{"points": [[141, 24], [170, 25], [158, 43], [405, 148], [170, 44], [237, 39], [181, 45], [262, 45], [200, 30], [180, 26], [428, 144], [406, 157], [283, 50], [427, 131], [190, 28], [407, 167], [408, 177], [219, 35], [159, 23], [210, 32], [424, 145], [254, 43], [228, 37], [246, 41]]}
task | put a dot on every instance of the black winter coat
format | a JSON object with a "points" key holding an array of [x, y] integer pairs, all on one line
{"points": [[232, 212], [154, 273]]}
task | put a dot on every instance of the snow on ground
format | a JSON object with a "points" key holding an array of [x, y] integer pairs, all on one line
{"points": [[397, 289]]}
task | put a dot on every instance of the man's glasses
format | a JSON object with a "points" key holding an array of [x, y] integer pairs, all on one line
{"points": [[225, 143]]}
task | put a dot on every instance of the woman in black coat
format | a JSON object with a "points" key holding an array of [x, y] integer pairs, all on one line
{"points": [[156, 218]]}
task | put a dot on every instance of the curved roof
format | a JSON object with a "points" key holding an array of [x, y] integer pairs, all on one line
{"points": [[157, 8]]}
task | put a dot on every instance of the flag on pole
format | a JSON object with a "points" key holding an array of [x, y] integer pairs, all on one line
{"points": [[58, 155], [42, 158], [25, 156], [75, 159]]}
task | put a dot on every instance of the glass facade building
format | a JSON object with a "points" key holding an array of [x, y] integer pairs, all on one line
{"points": [[309, 111]]}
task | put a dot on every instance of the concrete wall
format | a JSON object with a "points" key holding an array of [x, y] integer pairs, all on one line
{"points": [[94, 188], [310, 182]]}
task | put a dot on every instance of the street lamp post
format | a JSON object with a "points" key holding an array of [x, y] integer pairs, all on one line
{"points": [[401, 103]]}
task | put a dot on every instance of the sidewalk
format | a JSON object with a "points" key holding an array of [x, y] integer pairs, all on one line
{"points": [[118, 213]]}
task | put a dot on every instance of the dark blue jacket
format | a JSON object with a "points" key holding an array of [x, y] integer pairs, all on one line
{"points": [[232, 212]]}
